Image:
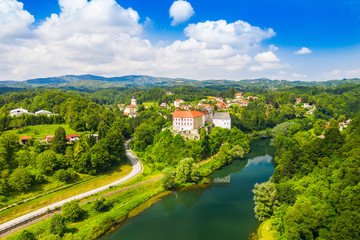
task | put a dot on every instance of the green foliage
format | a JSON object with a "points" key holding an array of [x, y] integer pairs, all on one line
{"points": [[168, 179], [72, 212], [62, 176], [58, 143], [26, 235], [46, 161], [318, 183], [20, 180], [57, 225], [187, 171], [101, 205], [266, 200]]}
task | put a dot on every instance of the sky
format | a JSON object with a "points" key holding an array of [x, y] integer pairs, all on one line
{"points": [[230, 39]]}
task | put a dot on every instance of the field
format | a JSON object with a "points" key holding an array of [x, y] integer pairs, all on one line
{"points": [[40, 131], [149, 104]]}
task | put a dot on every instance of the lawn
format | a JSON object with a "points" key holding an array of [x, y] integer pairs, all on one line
{"points": [[149, 104], [40, 131]]}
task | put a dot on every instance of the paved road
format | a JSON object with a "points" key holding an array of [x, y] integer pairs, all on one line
{"points": [[137, 169]]}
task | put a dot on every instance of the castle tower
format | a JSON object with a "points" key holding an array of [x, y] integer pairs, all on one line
{"points": [[133, 100]]}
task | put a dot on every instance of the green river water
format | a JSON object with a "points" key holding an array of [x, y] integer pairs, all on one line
{"points": [[222, 211]]}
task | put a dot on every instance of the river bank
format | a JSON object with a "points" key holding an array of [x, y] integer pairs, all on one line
{"points": [[224, 208]]}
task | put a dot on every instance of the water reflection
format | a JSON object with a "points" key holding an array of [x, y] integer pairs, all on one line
{"points": [[259, 160]]}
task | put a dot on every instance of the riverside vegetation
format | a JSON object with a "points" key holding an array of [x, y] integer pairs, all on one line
{"points": [[301, 157]]}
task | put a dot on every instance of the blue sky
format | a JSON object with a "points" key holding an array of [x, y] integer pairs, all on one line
{"points": [[204, 39]]}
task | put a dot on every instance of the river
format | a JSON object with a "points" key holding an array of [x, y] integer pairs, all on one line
{"points": [[222, 211]]}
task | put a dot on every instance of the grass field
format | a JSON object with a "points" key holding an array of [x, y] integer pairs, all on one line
{"points": [[38, 203], [40, 131], [149, 104]]}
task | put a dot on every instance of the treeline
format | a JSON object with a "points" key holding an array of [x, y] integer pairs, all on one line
{"points": [[314, 193]]}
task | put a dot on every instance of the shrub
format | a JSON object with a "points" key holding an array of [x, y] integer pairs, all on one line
{"points": [[57, 225], [101, 205], [72, 211], [62, 176]]}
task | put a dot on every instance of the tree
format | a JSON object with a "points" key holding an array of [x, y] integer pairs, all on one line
{"points": [[237, 152], [168, 179], [46, 161], [20, 180], [187, 171], [72, 211], [62, 176], [17, 123], [266, 200], [58, 143], [100, 157], [319, 126], [26, 235], [57, 225], [101, 205]]}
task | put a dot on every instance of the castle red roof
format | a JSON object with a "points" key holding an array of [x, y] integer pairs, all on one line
{"points": [[187, 114]]}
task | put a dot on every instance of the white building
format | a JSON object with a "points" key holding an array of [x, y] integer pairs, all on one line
{"points": [[222, 119], [188, 120], [130, 109], [18, 112], [178, 102], [133, 100], [43, 112]]}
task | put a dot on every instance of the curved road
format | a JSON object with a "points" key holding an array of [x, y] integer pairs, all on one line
{"points": [[137, 169]]}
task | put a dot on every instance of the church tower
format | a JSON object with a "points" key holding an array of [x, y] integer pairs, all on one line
{"points": [[133, 100]]}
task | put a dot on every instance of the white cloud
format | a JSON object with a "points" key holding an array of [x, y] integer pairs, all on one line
{"points": [[180, 11], [14, 21], [240, 34], [273, 48], [302, 51], [101, 37], [266, 57], [267, 66], [299, 76]]}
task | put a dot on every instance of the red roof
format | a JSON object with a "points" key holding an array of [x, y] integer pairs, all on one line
{"points": [[50, 136], [131, 106], [205, 112], [239, 94], [25, 138], [187, 114], [179, 100], [73, 135]]}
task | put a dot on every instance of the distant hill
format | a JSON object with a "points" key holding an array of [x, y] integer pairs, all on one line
{"points": [[93, 82]]}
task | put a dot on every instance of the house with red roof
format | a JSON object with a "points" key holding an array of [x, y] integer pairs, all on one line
{"points": [[24, 140], [221, 105], [188, 120], [238, 95], [49, 138], [72, 137], [184, 107], [178, 102]]}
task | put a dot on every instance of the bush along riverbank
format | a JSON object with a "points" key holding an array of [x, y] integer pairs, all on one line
{"points": [[96, 218]]}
